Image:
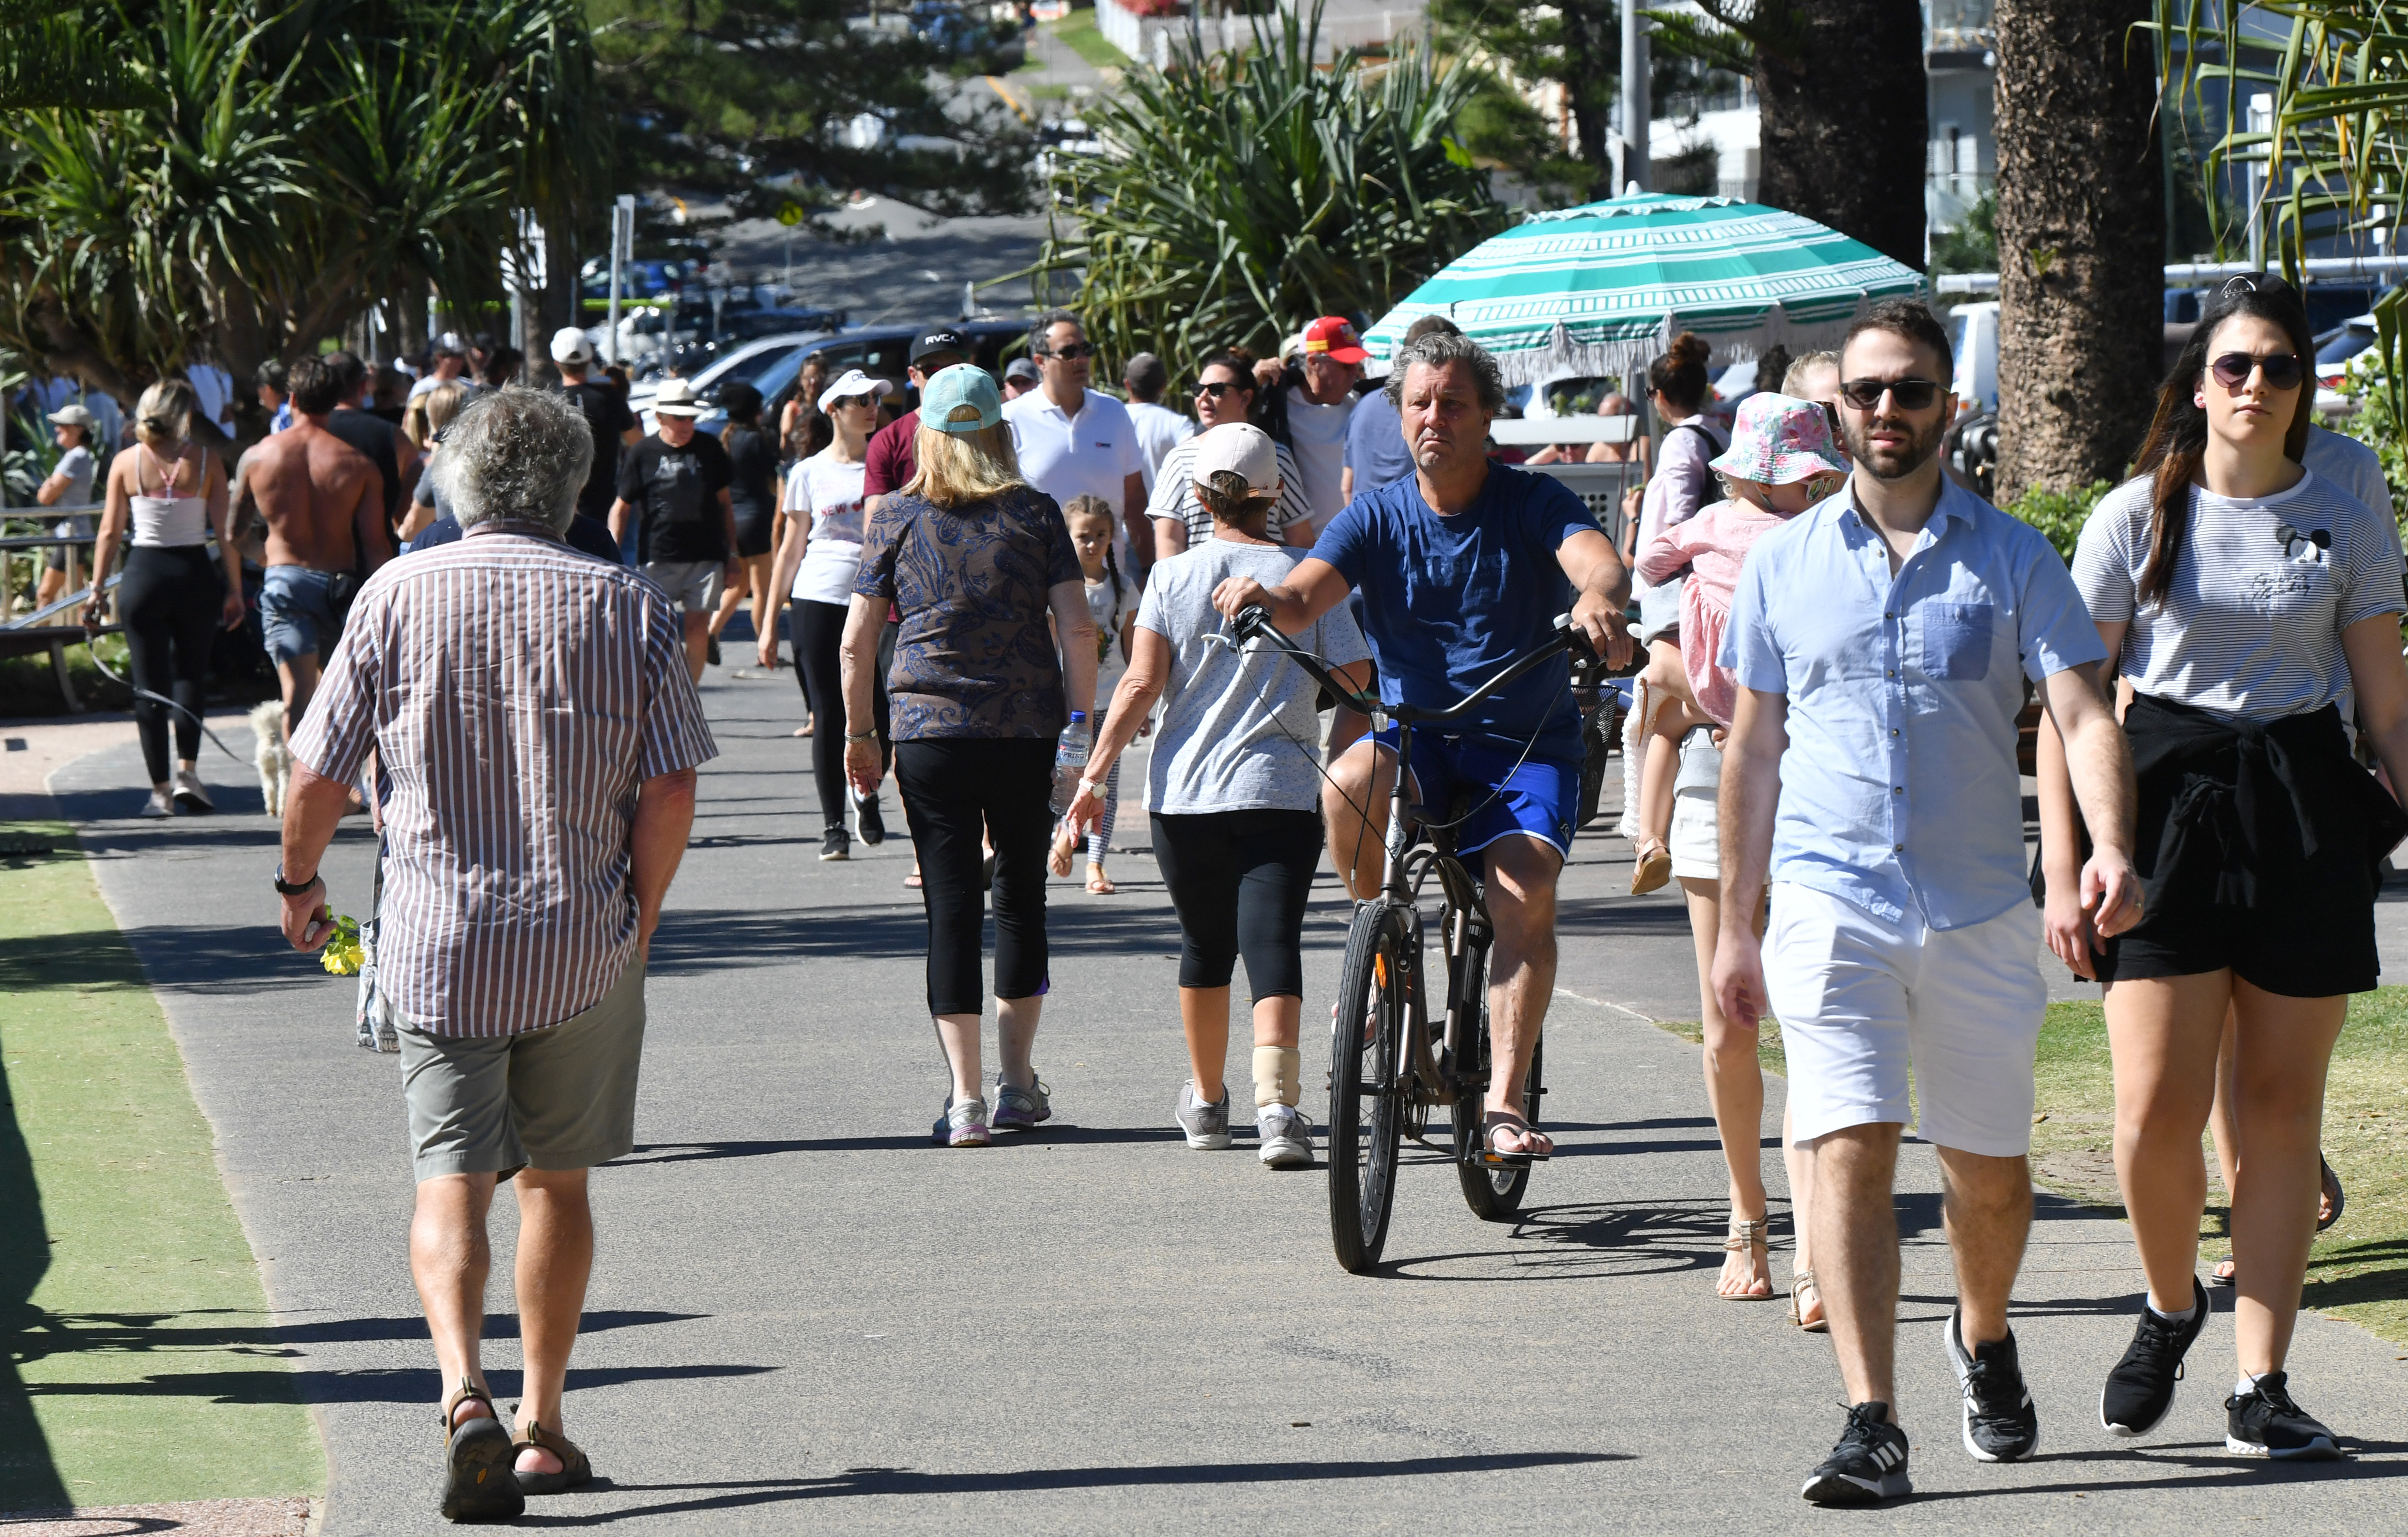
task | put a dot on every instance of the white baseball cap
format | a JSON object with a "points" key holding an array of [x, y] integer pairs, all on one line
{"points": [[1241, 447], [448, 343], [852, 383], [676, 398], [568, 345]]}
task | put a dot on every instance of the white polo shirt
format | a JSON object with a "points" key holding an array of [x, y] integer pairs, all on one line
{"points": [[1159, 429], [1091, 454]]}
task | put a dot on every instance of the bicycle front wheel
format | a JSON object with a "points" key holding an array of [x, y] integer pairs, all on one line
{"points": [[1365, 1090]]}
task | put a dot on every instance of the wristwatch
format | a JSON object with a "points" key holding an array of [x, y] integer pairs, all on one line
{"points": [[286, 888]]}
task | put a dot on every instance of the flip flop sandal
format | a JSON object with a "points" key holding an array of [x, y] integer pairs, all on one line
{"points": [[1493, 1122], [912, 881], [1100, 884], [477, 1483], [2222, 1273], [1799, 1285], [576, 1469], [2331, 1188], [1745, 1238]]}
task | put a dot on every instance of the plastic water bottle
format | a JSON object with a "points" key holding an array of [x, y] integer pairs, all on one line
{"points": [[1069, 761]]}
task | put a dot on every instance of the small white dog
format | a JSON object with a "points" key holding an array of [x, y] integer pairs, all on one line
{"points": [[273, 757]]}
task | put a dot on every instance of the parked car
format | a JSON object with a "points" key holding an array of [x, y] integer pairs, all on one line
{"points": [[754, 361]]}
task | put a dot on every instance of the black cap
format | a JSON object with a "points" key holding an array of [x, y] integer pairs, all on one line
{"points": [[932, 343]]}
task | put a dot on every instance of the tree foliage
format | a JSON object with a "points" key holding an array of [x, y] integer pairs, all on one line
{"points": [[1244, 193], [51, 56]]}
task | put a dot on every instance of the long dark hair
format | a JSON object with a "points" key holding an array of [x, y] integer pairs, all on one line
{"points": [[2177, 440]]}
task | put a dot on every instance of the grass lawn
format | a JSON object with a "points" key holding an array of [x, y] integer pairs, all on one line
{"points": [[1080, 32], [139, 1364]]}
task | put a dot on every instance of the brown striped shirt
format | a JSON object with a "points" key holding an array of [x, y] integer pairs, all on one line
{"points": [[517, 694]]}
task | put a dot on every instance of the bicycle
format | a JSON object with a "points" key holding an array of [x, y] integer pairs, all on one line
{"points": [[1384, 1074]]}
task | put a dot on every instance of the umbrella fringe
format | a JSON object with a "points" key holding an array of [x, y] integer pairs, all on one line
{"points": [[1561, 357]]}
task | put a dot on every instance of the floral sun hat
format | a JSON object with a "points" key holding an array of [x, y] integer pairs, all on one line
{"points": [[1777, 440]]}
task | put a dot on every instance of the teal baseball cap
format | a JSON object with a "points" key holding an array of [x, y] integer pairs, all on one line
{"points": [[963, 384]]}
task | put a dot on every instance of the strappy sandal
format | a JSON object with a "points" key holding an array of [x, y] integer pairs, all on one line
{"points": [[575, 1466], [1800, 1285], [1748, 1237], [477, 1482], [1491, 1123], [1653, 868], [1098, 883]]}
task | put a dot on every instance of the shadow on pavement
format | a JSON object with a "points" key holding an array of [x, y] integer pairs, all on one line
{"points": [[28, 1479], [142, 1334], [391, 1384]]}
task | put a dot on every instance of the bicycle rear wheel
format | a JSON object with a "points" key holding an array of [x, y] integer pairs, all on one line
{"points": [[1494, 1194], [1366, 1095]]}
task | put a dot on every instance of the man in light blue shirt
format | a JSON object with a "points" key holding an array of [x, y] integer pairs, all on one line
{"points": [[1881, 642]]}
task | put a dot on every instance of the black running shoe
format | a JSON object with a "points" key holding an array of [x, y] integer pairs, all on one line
{"points": [[1869, 1464], [837, 844], [2141, 1389], [713, 654], [2001, 1424], [868, 823], [2266, 1423]]}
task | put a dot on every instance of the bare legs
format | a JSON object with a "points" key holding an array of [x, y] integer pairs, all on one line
{"points": [[1015, 1039], [1204, 1015], [752, 581], [1735, 1089]]}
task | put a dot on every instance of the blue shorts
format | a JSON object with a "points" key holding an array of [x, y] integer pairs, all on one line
{"points": [[297, 613], [1541, 798]]}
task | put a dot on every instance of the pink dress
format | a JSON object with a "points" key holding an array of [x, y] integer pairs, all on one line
{"points": [[1715, 545]]}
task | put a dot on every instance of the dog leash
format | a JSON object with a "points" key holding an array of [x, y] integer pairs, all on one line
{"points": [[141, 693]]}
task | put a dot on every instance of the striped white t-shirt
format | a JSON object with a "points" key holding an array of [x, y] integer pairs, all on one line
{"points": [[1174, 495], [2251, 624]]}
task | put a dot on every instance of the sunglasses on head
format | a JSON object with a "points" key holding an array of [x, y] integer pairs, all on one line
{"points": [[2232, 369], [1913, 394], [1219, 387], [1072, 353]]}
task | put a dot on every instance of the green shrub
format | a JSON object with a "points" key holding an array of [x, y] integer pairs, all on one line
{"points": [[2061, 514]]}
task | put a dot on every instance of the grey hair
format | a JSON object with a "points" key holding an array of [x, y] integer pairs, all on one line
{"points": [[515, 453], [1436, 350], [1049, 320]]}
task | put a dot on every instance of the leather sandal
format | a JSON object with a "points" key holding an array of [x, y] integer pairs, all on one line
{"points": [[1652, 868], [1748, 1237], [1801, 1286], [477, 1483], [576, 1469], [1495, 1121]]}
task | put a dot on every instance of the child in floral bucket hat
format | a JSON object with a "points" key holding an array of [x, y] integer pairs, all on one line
{"points": [[1781, 462]]}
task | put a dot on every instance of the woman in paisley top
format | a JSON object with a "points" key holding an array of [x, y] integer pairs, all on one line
{"points": [[973, 559]]}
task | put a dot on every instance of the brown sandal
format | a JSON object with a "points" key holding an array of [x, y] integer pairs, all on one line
{"points": [[477, 1483], [576, 1469], [1802, 1285], [1653, 868]]}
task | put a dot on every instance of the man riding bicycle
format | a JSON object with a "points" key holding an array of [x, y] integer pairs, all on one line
{"points": [[1463, 567]]}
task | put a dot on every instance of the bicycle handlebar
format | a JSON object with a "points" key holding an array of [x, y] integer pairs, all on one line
{"points": [[1256, 624]]}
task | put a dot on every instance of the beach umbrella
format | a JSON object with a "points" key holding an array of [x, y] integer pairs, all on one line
{"points": [[1603, 288]]}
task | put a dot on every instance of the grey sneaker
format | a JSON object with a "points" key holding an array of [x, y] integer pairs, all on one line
{"points": [[191, 796], [1207, 1126], [1287, 1136], [1021, 1109], [962, 1125], [157, 806]]}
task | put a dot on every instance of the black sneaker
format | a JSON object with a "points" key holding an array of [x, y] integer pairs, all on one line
{"points": [[837, 844], [712, 656], [2001, 1424], [1869, 1464], [2266, 1423], [868, 823], [2141, 1389]]}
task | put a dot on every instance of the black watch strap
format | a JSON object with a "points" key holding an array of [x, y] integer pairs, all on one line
{"points": [[286, 888]]}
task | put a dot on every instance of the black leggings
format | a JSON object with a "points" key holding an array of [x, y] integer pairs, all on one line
{"points": [[170, 602], [819, 668], [953, 789], [1239, 880]]}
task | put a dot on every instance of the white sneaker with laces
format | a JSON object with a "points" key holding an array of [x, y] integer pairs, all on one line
{"points": [[191, 795], [1287, 1133], [157, 806]]}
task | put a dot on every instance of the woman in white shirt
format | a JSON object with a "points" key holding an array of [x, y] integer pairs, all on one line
{"points": [[817, 561]]}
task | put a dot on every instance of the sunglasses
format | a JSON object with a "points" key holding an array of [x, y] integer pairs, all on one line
{"points": [[1912, 395], [854, 400], [1221, 387], [1073, 352], [2232, 371]]}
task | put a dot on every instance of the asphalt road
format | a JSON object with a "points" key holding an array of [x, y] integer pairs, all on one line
{"points": [[804, 1315]]}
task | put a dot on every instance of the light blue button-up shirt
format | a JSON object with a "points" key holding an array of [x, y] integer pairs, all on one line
{"points": [[1899, 790]]}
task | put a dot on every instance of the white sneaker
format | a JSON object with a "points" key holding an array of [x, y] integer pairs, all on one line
{"points": [[157, 806], [190, 796], [1207, 1126], [1287, 1136]]}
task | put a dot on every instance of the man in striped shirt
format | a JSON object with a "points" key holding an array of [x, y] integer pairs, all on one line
{"points": [[536, 732]]}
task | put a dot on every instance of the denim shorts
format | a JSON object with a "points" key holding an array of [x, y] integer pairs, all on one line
{"points": [[297, 613]]}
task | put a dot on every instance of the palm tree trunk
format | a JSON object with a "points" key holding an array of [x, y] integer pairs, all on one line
{"points": [[2080, 242], [1842, 123]]}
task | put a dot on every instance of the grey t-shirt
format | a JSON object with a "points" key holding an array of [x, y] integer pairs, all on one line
{"points": [[79, 465], [1238, 733]]}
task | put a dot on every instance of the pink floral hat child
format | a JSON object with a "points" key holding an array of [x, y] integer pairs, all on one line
{"points": [[1777, 440]]}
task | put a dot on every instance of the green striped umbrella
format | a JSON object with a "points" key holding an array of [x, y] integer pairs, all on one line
{"points": [[1603, 288]]}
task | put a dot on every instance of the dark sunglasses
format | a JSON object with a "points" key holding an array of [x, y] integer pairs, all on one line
{"points": [[2232, 371], [1912, 395], [1072, 353], [1221, 387]]}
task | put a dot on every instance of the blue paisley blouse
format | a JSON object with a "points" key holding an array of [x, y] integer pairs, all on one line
{"points": [[974, 655]]}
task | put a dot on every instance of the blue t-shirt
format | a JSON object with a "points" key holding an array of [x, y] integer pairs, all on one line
{"points": [[1449, 601], [1375, 443]]}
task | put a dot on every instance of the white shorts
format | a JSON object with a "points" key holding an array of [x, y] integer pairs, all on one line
{"points": [[692, 583], [1860, 997], [1696, 833]]}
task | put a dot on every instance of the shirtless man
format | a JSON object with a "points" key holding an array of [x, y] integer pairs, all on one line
{"points": [[322, 502]]}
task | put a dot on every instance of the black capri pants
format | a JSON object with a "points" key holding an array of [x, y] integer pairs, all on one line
{"points": [[170, 600], [1239, 880], [819, 668], [953, 787]]}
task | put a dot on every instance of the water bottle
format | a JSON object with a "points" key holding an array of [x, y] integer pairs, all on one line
{"points": [[1069, 761]]}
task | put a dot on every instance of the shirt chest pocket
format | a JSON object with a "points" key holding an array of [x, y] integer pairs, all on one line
{"points": [[1956, 639]]}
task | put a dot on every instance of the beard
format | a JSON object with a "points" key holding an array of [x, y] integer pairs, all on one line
{"points": [[1892, 464]]}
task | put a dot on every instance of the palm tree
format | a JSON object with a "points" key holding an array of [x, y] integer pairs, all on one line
{"points": [[2081, 236]]}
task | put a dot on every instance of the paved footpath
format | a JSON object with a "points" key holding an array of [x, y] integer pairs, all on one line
{"points": [[806, 1315]]}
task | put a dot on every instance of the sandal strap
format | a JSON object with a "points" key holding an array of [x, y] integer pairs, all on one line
{"points": [[550, 1440], [459, 1395], [1746, 1235]]}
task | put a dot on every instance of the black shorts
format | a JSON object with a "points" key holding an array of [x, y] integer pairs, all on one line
{"points": [[2292, 950], [752, 532]]}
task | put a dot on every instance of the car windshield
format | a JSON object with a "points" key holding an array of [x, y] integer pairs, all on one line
{"points": [[2346, 344]]}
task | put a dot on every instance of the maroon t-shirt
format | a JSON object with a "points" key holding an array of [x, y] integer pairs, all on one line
{"points": [[892, 463]]}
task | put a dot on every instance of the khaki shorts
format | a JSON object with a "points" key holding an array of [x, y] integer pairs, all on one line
{"points": [[556, 1099], [692, 583]]}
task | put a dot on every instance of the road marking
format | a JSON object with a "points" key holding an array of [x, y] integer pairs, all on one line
{"points": [[1600, 1003], [1010, 100]]}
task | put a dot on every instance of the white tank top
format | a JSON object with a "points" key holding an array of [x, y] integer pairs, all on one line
{"points": [[167, 521]]}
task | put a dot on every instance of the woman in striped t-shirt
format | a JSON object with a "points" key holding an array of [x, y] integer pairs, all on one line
{"points": [[2244, 598]]}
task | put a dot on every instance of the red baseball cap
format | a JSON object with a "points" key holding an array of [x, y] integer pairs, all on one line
{"points": [[1330, 334]]}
